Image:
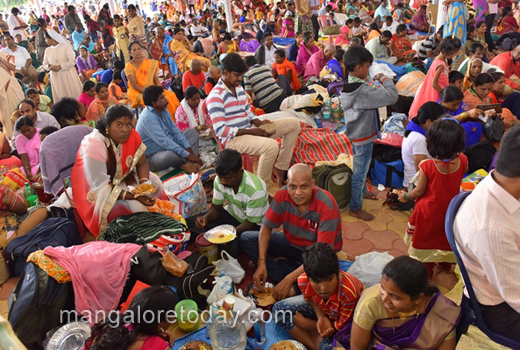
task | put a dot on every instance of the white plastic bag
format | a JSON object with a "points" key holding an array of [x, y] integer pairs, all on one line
{"points": [[369, 267], [229, 266], [221, 288]]}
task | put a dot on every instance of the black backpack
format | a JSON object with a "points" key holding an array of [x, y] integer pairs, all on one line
{"points": [[53, 232], [480, 156], [37, 304], [176, 87]]}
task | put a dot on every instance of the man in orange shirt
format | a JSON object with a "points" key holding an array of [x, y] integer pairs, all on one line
{"points": [[509, 62], [193, 77]]}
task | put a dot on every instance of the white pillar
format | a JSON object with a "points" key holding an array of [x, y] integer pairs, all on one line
{"points": [[229, 16], [113, 7]]}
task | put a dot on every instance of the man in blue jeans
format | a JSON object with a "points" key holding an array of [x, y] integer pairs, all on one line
{"points": [[308, 215], [360, 102]]}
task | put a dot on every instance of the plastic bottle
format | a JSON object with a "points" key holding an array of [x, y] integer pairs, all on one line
{"points": [[325, 111], [226, 331], [30, 195]]}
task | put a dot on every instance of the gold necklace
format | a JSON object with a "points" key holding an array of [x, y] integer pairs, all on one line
{"points": [[403, 316]]}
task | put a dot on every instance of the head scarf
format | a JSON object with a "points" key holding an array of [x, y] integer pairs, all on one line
{"points": [[467, 83], [58, 37]]}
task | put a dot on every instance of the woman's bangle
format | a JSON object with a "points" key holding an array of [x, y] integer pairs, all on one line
{"points": [[407, 196], [464, 115], [144, 179]]}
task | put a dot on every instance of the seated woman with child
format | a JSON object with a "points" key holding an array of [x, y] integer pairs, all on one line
{"points": [[103, 101], [110, 161]]}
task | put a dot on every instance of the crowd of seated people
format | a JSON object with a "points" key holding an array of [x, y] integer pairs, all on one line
{"points": [[152, 86]]}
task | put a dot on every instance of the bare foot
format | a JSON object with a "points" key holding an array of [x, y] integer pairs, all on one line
{"points": [[190, 167], [361, 214], [279, 176]]}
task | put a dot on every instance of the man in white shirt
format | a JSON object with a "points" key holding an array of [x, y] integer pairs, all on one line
{"points": [[22, 61], [40, 119], [390, 25], [16, 24], [265, 53], [380, 47], [487, 234], [197, 30]]}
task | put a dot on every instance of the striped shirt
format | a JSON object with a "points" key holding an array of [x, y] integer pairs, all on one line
{"points": [[428, 45], [251, 201], [320, 223], [340, 306], [260, 80], [228, 113]]}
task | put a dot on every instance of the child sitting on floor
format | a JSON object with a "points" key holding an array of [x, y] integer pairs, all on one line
{"points": [[329, 295], [43, 102], [456, 79], [101, 103], [46, 131], [114, 89], [439, 181]]}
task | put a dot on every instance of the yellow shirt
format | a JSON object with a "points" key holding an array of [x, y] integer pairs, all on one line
{"points": [[121, 38], [259, 15]]}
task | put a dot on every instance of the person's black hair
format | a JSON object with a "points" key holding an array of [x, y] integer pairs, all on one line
{"points": [[250, 61], [189, 37], [428, 111], [441, 30], [297, 33], [114, 333], [87, 85], [229, 160], [132, 7], [280, 53], [454, 76], [23, 121], [86, 17], [339, 55], [449, 45], [497, 75], [268, 34], [374, 26], [446, 139], [387, 34], [470, 29], [99, 86], [190, 92], [177, 30], [15, 10], [410, 276], [399, 5], [30, 91], [151, 94], [451, 93], [423, 7], [400, 28], [483, 78], [112, 114], [356, 55], [48, 130], [40, 22], [117, 75], [234, 63], [227, 36], [70, 8], [119, 65], [474, 47], [389, 18], [328, 8], [507, 162], [8, 36], [117, 17], [320, 261], [505, 11], [105, 7], [28, 101], [357, 20], [66, 109], [307, 36], [348, 21]]}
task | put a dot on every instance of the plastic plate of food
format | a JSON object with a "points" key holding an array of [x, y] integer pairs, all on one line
{"points": [[288, 345], [144, 189], [221, 234], [196, 345], [264, 298]]}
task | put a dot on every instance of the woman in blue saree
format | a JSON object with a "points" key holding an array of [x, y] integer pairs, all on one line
{"points": [[402, 312]]}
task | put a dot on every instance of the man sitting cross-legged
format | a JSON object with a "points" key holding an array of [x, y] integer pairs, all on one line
{"points": [[246, 197], [308, 215]]}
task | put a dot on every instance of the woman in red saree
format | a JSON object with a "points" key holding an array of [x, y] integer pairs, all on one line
{"points": [[110, 160], [401, 46], [507, 23]]}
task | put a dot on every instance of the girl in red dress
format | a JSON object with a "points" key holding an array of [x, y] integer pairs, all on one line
{"points": [[439, 181]]}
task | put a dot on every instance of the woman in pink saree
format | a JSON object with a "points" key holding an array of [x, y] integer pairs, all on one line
{"points": [[110, 161], [305, 52]]}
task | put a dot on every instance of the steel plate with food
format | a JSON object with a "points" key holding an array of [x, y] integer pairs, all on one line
{"points": [[261, 298], [144, 189], [221, 234], [196, 345], [288, 345]]}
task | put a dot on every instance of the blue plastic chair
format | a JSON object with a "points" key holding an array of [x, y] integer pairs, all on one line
{"points": [[471, 313]]}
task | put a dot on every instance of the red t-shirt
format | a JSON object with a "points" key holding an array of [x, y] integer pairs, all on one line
{"points": [[190, 79]]}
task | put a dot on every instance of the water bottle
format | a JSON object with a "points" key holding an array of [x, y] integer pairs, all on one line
{"points": [[325, 111], [317, 119], [30, 195], [226, 331]]}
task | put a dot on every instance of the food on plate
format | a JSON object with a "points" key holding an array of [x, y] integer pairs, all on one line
{"points": [[264, 298], [197, 345], [143, 190], [221, 236], [284, 345]]}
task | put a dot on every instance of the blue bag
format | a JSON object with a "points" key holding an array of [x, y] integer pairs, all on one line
{"points": [[389, 174]]}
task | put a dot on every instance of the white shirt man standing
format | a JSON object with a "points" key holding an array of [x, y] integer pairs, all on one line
{"points": [[16, 24], [487, 235]]}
